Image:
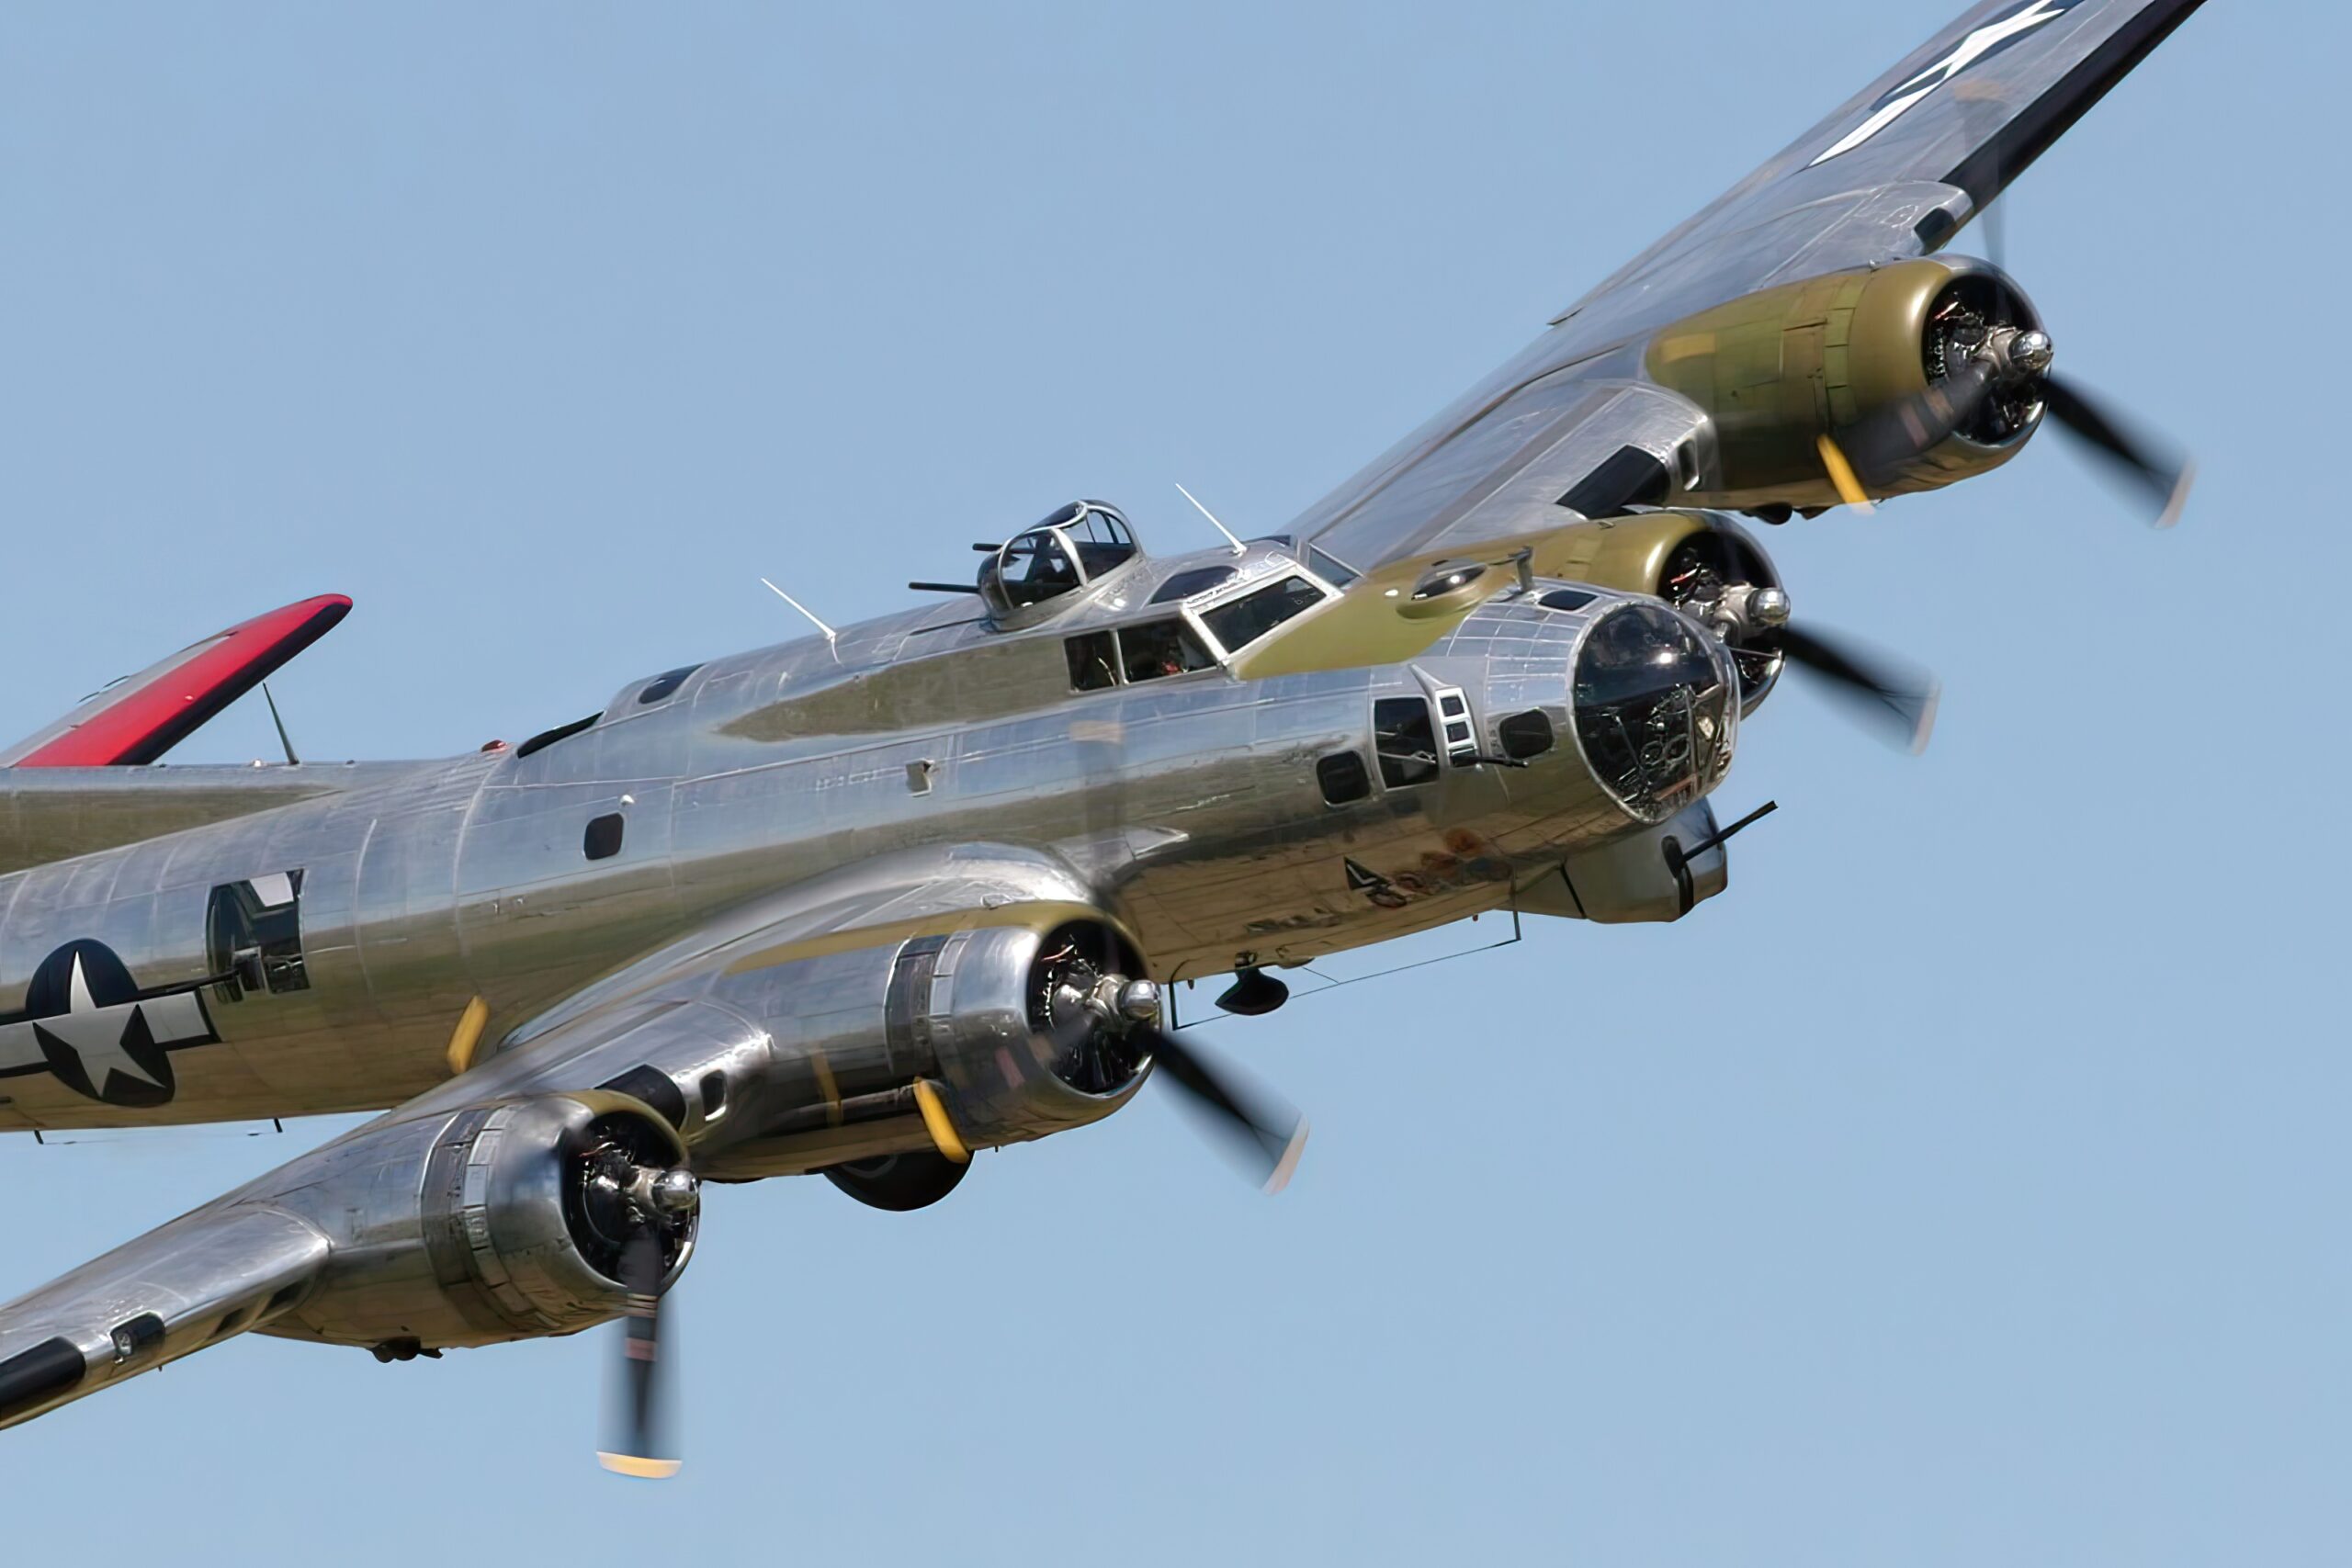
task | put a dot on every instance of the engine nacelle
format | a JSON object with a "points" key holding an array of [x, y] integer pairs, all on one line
{"points": [[515, 1230], [1777, 370], [1007, 1027], [1699, 562], [1021, 1053]]}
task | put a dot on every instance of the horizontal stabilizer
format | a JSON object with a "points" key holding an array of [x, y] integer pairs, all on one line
{"points": [[53, 814], [141, 717]]}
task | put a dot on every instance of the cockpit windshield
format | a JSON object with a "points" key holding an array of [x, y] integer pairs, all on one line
{"points": [[1080, 544], [1237, 623]]}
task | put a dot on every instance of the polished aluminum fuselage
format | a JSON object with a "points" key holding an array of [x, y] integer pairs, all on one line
{"points": [[1190, 806]]}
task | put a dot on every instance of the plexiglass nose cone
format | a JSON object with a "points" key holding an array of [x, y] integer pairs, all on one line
{"points": [[1653, 698]]}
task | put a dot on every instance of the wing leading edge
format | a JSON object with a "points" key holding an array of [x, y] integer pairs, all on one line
{"points": [[1968, 111], [887, 1007], [1893, 174], [390, 1233]]}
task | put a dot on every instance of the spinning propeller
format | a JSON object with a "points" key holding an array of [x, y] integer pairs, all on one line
{"points": [[2008, 361], [1892, 697], [1104, 1023], [1992, 363], [654, 1208], [1260, 1132], [1702, 580], [2011, 363]]}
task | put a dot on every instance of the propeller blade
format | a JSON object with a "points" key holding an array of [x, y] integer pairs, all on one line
{"points": [[1996, 235], [1264, 1133], [1842, 478], [1876, 449], [643, 1447], [2162, 475], [1879, 688]]}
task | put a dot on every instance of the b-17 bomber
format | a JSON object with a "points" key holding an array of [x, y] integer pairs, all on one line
{"points": [[871, 900]]}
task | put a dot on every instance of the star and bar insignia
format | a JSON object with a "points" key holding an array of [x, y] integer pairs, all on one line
{"points": [[89, 1023]]}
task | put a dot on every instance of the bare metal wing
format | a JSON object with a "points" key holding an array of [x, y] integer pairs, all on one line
{"points": [[924, 1004], [193, 1283], [1896, 169], [1574, 427], [889, 1007]]}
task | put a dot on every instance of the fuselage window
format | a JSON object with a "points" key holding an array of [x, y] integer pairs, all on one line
{"points": [[1525, 735], [547, 737], [254, 932], [1342, 778], [1237, 623], [1184, 584], [664, 684], [1405, 740], [1093, 660], [1566, 599], [602, 841], [1162, 647]]}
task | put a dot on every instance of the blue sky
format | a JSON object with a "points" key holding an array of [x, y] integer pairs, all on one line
{"points": [[1967, 1185]]}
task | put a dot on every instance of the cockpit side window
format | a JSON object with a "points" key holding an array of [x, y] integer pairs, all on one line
{"points": [[1093, 660], [1237, 623], [1404, 742], [665, 684], [1162, 647], [1331, 569]]}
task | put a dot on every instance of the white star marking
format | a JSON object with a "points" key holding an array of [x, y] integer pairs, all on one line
{"points": [[1965, 53], [95, 1033]]}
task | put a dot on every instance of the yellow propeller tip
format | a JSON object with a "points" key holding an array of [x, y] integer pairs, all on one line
{"points": [[637, 1465], [1841, 476], [1927, 725], [2178, 500], [1287, 1167], [937, 1123]]}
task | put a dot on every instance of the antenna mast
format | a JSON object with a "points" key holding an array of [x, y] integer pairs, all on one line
{"points": [[1238, 548], [291, 760], [804, 610]]}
